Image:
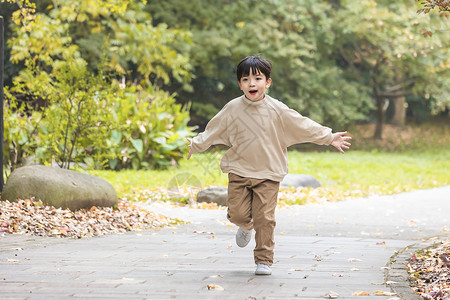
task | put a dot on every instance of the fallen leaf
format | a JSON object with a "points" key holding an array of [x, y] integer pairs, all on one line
{"points": [[391, 282], [214, 287], [331, 295], [382, 293], [382, 244], [12, 260], [29, 216], [361, 293], [354, 269], [204, 232], [353, 259], [338, 275]]}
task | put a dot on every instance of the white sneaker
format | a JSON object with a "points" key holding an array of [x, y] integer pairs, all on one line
{"points": [[243, 237], [262, 269]]}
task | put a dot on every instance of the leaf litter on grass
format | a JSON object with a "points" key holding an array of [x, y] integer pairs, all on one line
{"points": [[429, 271], [187, 196], [32, 217]]}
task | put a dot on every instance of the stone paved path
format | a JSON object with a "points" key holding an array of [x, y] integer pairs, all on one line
{"points": [[342, 247]]}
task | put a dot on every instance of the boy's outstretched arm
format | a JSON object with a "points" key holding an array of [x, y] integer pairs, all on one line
{"points": [[340, 141], [190, 148]]}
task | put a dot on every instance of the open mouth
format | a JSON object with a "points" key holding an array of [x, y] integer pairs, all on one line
{"points": [[253, 92]]}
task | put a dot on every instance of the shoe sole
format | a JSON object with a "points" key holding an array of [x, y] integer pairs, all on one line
{"points": [[242, 246], [263, 273]]}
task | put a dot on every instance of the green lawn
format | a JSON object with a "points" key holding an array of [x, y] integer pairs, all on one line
{"points": [[340, 174]]}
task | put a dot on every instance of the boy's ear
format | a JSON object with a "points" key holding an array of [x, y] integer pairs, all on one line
{"points": [[239, 82], [268, 82]]}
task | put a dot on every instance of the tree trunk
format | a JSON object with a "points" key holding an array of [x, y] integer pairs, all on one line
{"points": [[380, 115], [399, 106], [399, 111]]}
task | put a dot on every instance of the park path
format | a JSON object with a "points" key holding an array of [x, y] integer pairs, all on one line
{"points": [[343, 247]]}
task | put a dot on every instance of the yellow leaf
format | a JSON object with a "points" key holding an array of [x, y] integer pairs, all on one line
{"points": [[360, 293], [214, 287], [382, 293]]}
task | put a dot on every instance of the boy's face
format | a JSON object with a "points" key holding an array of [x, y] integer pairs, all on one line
{"points": [[254, 86]]}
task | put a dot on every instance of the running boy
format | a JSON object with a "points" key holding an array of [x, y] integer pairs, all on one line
{"points": [[258, 129]]}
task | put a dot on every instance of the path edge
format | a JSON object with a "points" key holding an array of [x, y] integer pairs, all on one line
{"points": [[397, 270]]}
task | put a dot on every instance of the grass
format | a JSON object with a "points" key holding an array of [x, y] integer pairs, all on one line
{"points": [[363, 173], [415, 157]]}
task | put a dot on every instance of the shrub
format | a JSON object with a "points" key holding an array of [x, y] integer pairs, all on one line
{"points": [[151, 130], [101, 125]]}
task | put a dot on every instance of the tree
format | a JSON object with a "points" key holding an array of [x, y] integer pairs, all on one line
{"points": [[389, 52], [73, 98], [296, 35]]}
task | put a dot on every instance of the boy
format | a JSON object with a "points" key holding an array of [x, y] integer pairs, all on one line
{"points": [[258, 129]]}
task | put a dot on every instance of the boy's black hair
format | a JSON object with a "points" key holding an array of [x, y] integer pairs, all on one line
{"points": [[256, 64]]}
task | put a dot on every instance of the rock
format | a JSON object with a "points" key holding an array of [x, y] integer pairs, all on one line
{"points": [[59, 187], [299, 180], [217, 195]]}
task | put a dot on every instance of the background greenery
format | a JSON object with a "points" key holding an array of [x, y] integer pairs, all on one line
{"points": [[119, 85], [420, 159]]}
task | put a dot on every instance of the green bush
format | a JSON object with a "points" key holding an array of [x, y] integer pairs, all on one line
{"points": [[100, 126], [20, 131], [151, 130]]}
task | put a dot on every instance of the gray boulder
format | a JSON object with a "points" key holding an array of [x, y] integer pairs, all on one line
{"points": [[217, 195], [299, 180], [59, 188]]}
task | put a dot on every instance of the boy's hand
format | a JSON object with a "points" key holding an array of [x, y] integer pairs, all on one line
{"points": [[190, 149], [340, 141]]}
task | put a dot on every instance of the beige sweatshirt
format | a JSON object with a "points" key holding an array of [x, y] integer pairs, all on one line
{"points": [[258, 134]]}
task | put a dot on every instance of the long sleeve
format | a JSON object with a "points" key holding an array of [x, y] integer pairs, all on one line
{"points": [[215, 133], [300, 129]]}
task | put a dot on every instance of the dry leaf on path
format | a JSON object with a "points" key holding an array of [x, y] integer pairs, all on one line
{"points": [[353, 259], [430, 271], [32, 217], [331, 295], [214, 287], [382, 293], [361, 293]]}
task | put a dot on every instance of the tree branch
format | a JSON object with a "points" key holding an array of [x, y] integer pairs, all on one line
{"points": [[398, 87], [394, 94]]}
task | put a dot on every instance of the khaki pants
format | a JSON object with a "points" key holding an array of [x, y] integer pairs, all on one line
{"points": [[251, 205]]}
